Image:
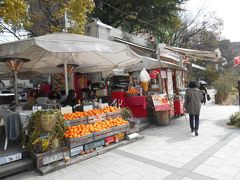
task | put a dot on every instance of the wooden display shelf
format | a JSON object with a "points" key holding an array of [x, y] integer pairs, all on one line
{"points": [[47, 158], [76, 122], [74, 142]]}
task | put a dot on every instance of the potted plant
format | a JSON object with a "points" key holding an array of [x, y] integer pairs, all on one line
{"points": [[43, 138], [128, 115], [223, 87], [234, 120]]}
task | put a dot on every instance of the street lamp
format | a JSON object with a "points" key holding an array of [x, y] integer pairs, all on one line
{"points": [[14, 65]]}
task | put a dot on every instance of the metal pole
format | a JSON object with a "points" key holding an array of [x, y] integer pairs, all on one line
{"points": [[15, 87], [66, 76]]}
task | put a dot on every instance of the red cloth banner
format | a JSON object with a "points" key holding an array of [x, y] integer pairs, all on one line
{"points": [[154, 73], [236, 61]]}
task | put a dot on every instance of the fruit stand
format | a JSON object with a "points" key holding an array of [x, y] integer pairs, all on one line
{"points": [[54, 138]]}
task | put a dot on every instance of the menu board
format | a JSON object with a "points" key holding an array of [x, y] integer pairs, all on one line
{"points": [[160, 102]]}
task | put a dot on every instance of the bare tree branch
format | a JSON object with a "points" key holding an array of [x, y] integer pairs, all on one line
{"points": [[9, 30]]}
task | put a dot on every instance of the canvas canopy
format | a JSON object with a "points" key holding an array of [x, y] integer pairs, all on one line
{"points": [[150, 63], [46, 52]]}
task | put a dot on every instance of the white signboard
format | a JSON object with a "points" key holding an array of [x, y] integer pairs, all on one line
{"points": [[163, 74], [169, 83], [67, 109], [76, 150], [10, 158], [54, 157]]}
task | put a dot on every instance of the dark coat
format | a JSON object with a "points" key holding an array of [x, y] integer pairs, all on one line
{"points": [[193, 100]]}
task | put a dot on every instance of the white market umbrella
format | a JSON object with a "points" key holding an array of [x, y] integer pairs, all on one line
{"points": [[47, 52], [150, 63]]}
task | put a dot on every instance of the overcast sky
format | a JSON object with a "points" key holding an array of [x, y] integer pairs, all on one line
{"points": [[227, 10]]}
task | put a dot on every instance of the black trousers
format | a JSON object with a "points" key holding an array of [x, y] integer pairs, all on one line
{"points": [[194, 121]]}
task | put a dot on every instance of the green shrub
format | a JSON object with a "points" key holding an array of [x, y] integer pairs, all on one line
{"points": [[226, 83], [235, 119]]}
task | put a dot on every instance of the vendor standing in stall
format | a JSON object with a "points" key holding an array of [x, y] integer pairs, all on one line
{"points": [[71, 99], [92, 96]]}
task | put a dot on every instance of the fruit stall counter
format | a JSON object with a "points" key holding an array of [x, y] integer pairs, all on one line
{"points": [[138, 105], [56, 137]]}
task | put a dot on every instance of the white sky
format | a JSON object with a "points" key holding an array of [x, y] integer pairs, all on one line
{"points": [[227, 10]]}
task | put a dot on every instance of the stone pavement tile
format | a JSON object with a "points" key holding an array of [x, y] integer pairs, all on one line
{"points": [[108, 176], [221, 176], [210, 141], [53, 174], [237, 153], [193, 152], [195, 162], [176, 152], [185, 147], [214, 161], [104, 168], [204, 169], [169, 147], [25, 175], [124, 169], [144, 170], [153, 176], [161, 172], [147, 156], [121, 161], [201, 147], [130, 176], [237, 176], [234, 161], [148, 161], [197, 176], [183, 158], [182, 172], [175, 164], [87, 172], [225, 152], [174, 177], [107, 160], [228, 170], [165, 158], [157, 152], [185, 178], [235, 142], [109, 154], [138, 164], [73, 175]]}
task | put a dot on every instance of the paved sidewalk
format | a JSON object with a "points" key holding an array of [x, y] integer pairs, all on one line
{"points": [[167, 152]]}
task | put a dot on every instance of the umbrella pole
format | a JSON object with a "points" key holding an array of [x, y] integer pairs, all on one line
{"points": [[66, 77], [15, 87]]}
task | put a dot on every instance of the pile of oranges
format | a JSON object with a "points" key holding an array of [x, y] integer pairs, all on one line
{"points": [[93, 112], [85, 129], [132, 90]]}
